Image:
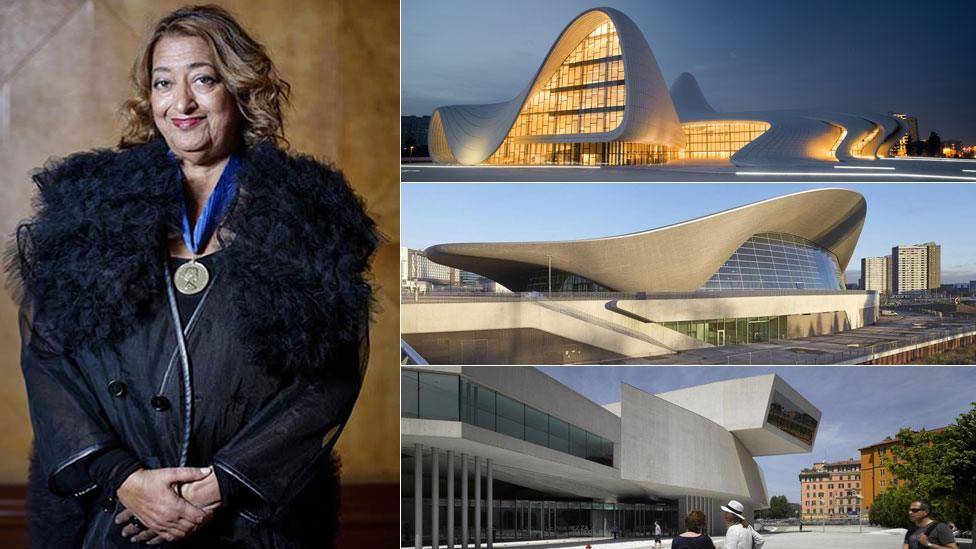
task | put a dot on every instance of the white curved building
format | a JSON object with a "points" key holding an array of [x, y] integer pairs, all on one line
{"points": [[599, 98], [532, 459]]}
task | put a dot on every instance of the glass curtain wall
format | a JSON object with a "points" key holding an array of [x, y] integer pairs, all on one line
{"points": [[720, 139], [522, 520], [449, 397], [778, 261], [732, 331], [585, 95]]}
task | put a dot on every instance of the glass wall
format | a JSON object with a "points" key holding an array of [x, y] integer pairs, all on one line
{"points": [[718, 139], [732, 331], [561, 281], [431, 395], [586, 94], [521, 519], [789, 418], [613, 153], [778, 261]]}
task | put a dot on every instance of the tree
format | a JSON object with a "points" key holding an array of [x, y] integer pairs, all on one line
{"points": [[933, 146], [961, 458], [889, 509], [779, 507], [938, 466]]}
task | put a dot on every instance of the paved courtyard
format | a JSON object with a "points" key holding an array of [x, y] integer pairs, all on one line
{"points": [[704, 171], [871, 538]]}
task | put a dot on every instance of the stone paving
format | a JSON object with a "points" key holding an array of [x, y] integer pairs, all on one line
{"points": [[838, 348], [844, 538], [703, 171]]}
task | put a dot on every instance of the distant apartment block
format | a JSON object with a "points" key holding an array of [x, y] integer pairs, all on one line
{"points": [[418, 274], [916, 268], [876, 274], [830, 490]]}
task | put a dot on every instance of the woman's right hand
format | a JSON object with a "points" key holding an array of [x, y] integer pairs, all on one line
{"points": [[151, 496]]}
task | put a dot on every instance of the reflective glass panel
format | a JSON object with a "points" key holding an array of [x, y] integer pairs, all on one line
{"points": [[408, 393], [789, 418], [536, 426], [438, 396], [778, 261], [511, 417]]}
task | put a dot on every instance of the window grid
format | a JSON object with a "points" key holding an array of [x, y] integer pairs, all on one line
{"points": [[720, 139], [778, 261]]}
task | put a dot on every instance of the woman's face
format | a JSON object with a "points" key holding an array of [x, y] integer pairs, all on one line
{"points": [[192, 107]]}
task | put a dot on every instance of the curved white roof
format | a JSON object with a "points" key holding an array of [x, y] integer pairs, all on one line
{"points": [[675, 258], [795, 136], [469, 134]]}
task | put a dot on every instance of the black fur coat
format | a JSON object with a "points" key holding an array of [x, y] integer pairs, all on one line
{"points": [[278, 351]]}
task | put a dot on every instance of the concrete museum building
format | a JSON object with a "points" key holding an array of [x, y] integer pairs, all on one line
{"points": [[599, 98], [501, 454], [769, 270]]}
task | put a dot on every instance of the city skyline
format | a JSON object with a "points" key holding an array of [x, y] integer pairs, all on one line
{"points": [[855, 413], [865, 59], [897, 214]]}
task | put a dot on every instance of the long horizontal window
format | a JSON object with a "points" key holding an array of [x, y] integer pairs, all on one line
{"points": [[720, 139], [732, 331], [429, 395], [612, 153], [789, 418]]}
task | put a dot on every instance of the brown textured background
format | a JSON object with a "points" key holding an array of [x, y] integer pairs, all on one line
{"points": [[63, 75]]}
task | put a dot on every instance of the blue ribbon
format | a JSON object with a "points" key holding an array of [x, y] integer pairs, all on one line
{"points": [[214, 210]]}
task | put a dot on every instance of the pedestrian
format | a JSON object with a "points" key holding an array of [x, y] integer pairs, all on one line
{"points": [[739, 534], [657, 534], [927, 532], [694, 536]]}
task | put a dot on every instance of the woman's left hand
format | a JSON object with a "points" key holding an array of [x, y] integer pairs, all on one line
{"points": [[203, 494]]}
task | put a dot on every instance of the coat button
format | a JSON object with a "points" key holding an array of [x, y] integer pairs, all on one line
{"points": [[116, 388], [160, 403]]}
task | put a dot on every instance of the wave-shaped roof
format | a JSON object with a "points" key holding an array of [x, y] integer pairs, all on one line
{"points": [[674, 258], [469, 134]]}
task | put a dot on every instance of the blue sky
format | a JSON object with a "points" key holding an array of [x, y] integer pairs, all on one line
{"points": [[860, 405], [900, 55], [897, 213]]}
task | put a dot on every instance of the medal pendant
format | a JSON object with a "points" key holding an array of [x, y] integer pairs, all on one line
{"points": [[191, 277]]}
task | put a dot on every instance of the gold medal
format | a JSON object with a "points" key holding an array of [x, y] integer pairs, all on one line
{"points": [[191, 277]]}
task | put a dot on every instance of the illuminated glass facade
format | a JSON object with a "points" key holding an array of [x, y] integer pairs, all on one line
{"points": [[585, 95], [454, 398], [720, 139], [771, 261], [790, 418], [732, 331]]}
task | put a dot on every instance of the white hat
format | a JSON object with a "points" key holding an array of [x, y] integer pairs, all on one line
{"points": [[735, 508]]}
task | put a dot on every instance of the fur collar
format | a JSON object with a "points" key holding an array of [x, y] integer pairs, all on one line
{"points": [[93, 256]]}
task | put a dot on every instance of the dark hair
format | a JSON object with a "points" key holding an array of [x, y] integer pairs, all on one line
{"points": [[695, 521], [243, 64], [924, 504]]}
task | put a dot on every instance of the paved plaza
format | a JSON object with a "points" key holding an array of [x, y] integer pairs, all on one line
{"points": [[848, 347], [841, 538], [889, 169]]}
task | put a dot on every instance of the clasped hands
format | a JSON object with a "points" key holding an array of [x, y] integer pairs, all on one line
{"points": [[171, 503]]}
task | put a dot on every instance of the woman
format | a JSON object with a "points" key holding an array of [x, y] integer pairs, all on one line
{"points": [[693, 536], [194, 310], [739, 534]]}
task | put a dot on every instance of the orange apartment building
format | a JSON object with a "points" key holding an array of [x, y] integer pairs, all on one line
{"points": [[830, 490], [876, 478]]}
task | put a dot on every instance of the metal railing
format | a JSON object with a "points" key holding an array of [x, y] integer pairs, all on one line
{"points": [[474, 297]]}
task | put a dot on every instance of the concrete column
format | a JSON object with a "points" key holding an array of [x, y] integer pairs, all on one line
{"points": [[491, 508], [450, 499], [477, 502], [435, 503], [418, 496], [464, 501]]}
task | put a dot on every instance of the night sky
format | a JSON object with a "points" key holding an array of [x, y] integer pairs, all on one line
{"points": [[876, 56]]}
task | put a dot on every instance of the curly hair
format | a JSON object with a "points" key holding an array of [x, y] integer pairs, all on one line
{"points": [[695, 521], [243, 64]]}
